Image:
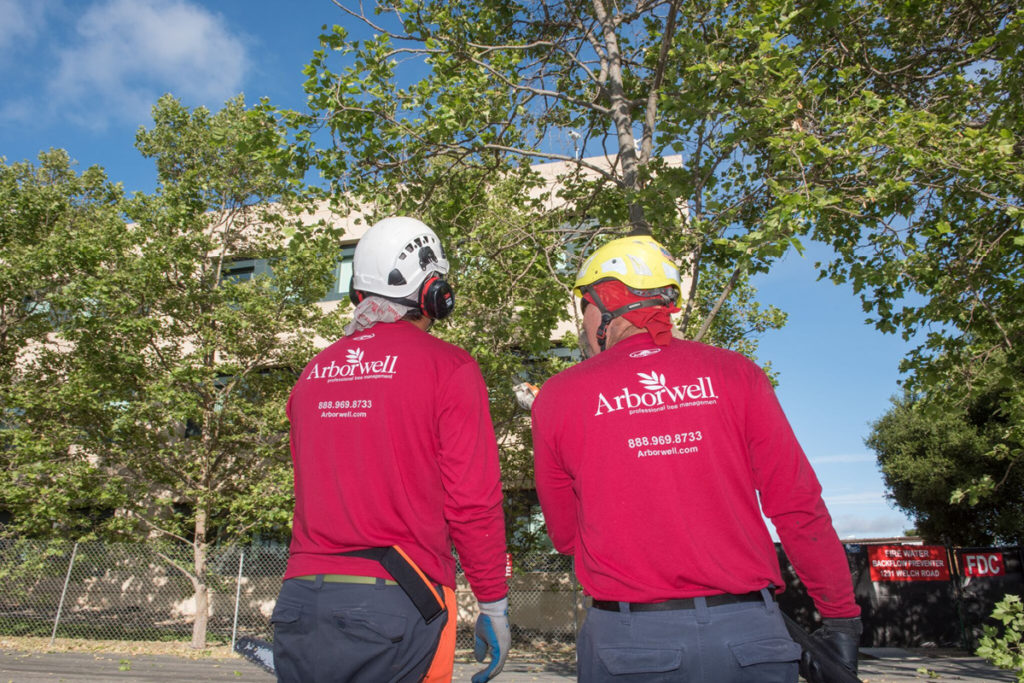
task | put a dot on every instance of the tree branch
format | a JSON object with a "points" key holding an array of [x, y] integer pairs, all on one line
{"points": [[706, 325], [650, 114]]}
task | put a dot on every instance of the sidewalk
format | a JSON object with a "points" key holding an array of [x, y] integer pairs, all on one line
{"points": [[877, 665], [892, 665], [520, 672]]}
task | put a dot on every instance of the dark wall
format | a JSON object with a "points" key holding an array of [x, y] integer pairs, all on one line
{"points": [[978, 595], [914, 613]]}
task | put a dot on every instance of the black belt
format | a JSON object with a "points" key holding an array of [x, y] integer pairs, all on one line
{"points": [[680, 603]]}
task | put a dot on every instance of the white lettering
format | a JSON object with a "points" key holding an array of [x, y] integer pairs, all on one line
{"points": [[984, 565], [349, 370], [701, 392]]}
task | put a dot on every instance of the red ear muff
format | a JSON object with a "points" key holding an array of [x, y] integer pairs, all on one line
{"points": [[437, 300], [353, 295]]}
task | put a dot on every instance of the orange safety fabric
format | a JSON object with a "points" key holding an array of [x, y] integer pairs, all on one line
{"points": [[443, 666], [423, 576]]}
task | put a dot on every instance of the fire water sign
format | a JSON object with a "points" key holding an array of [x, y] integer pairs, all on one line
{"points": [[908, 563], [983, 564]]}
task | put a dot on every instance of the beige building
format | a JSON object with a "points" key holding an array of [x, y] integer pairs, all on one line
{"points": [[356, 223]]}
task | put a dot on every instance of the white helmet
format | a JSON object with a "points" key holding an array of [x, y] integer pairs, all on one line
{"points": [[395, 257]]}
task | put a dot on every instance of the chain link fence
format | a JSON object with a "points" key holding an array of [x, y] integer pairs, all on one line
{"points": [[138, 592]]}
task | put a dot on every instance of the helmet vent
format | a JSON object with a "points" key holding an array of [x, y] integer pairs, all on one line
{"points": [[639, 267], [427, 257]]}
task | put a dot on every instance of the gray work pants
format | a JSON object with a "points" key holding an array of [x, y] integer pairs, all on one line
{"points": [[338, 632], [735, 643]]}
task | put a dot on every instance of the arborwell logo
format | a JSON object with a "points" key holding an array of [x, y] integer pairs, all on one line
{"points": [[354, 368], [656, 395]]}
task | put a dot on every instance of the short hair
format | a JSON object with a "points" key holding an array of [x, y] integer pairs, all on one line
{"points": [[413, 315]]}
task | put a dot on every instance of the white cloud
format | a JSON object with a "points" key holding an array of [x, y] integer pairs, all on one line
{"points": [[126, 53], [856, 526], [22, 21], [857, 498], [883, 526], [18, 111]]}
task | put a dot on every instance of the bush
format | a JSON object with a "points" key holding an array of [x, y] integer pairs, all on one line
{"points": [[1006, 651]]}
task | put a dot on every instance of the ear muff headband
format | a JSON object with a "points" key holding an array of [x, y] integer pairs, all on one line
{"points": [[436, 299]]}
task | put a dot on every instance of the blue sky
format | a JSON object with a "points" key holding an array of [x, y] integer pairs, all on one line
{"points": [[836, 376], [82, 75]]}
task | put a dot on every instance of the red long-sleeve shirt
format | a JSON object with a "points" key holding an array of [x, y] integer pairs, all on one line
{"points": [[650, 462], [392, 444]]}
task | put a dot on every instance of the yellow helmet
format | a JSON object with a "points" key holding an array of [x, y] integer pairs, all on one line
{"points": [[638, 261]]}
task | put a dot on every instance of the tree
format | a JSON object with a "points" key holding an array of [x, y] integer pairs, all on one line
{"points": [[670, 95], [925, 456], [905, 143], [55, 227], [658, 112], [181, 359]]}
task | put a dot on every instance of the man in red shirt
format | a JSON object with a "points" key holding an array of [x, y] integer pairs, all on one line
{"points": [[654, 460], [395, 460]]}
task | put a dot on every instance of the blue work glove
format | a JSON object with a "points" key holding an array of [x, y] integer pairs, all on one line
{"points": [[492, 635]]}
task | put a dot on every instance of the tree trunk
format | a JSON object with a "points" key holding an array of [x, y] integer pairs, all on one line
{"points": [[621, 114], [202, 593]]}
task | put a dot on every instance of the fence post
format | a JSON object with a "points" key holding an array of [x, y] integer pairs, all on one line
{"points": [[575, 606], [238, 594], [956, 577], [60, 605]]}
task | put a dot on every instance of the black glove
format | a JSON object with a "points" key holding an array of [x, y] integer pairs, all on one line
{"points": [[841, 636]]}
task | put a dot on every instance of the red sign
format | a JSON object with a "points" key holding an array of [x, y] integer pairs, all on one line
{"points": [[983, 564], [508, 565], [908, 563]]}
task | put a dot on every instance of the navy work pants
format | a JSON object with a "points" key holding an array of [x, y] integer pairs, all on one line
{"points": [[736, 643], [339, 632]]}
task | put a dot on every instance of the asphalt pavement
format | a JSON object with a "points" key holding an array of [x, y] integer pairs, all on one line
{"points": [[877, 665], [894, 665]]}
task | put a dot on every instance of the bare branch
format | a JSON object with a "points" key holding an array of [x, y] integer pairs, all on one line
{"points": [[726, 292], [361, 16], [539, 92], [647, 141], [161, 530], [582, 163], [691, 296]]}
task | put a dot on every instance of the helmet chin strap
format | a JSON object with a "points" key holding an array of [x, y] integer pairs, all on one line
{"points": [[607, 316]]}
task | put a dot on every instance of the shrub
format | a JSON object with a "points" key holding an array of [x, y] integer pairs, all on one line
{"points": [[1007, 650]]}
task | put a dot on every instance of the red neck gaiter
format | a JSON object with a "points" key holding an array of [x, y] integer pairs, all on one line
{"points": [[614, 295]]}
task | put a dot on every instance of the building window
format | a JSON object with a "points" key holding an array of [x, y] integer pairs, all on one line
{"points": [[342, 275], [242, 271]]}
